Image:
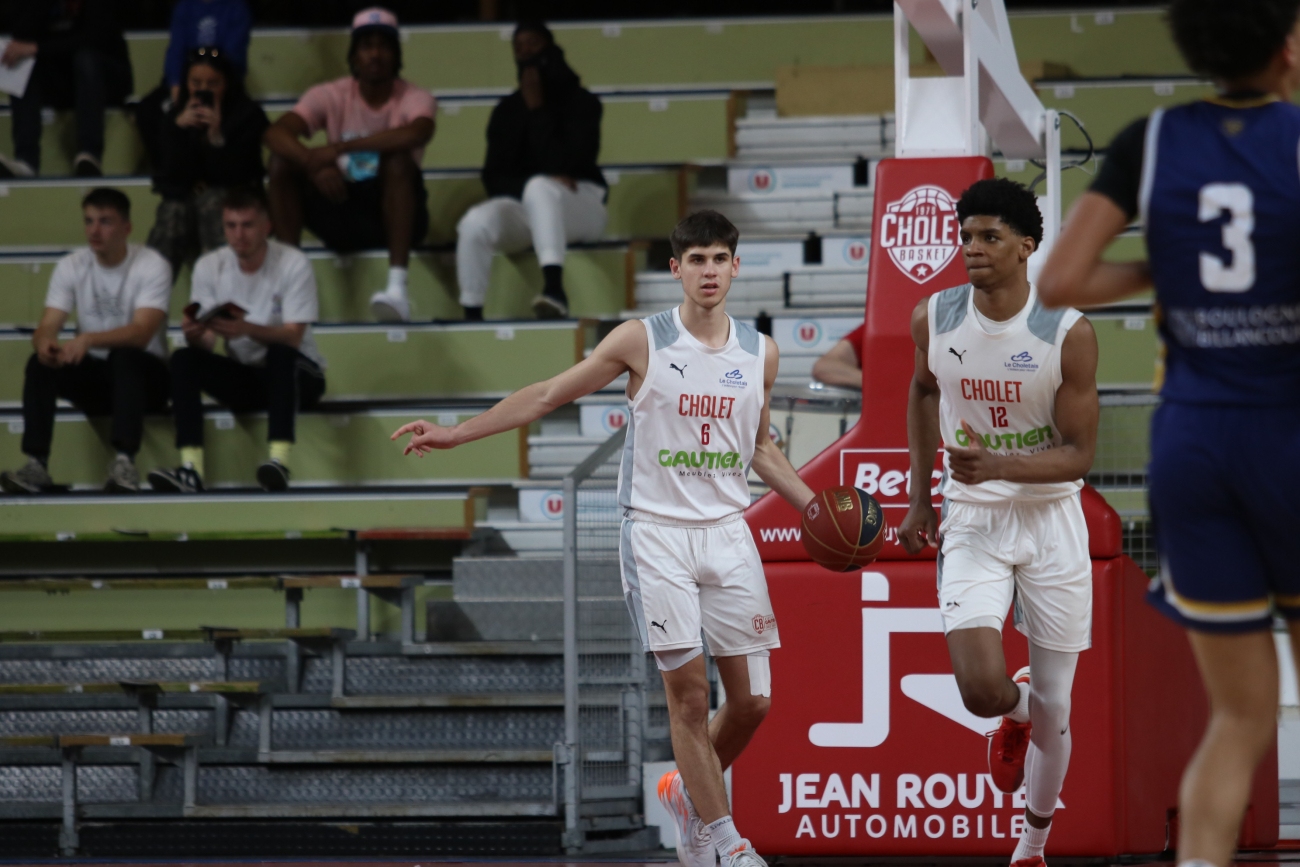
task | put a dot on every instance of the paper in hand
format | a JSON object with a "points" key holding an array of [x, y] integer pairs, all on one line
{"points": [[229, 310], [13, 79]]}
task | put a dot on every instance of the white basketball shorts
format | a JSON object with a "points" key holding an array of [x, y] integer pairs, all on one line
{"points": [[1033, 553], [681, 577]]}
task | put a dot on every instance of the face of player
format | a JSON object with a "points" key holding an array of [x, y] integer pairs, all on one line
{"points": [[528, 44], [706, 273], [246, 231], [994, 253], [374, 60], [106, 231]]}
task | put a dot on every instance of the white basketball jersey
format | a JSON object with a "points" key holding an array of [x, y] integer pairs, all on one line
{"points": [[692, 425], [1004, 385]]}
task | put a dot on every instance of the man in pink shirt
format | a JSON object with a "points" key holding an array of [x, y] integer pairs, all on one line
{"points": [[363, 188]]}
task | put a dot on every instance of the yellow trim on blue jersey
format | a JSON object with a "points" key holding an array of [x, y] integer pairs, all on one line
{"points": [[1252, 607], [1248, 102]]}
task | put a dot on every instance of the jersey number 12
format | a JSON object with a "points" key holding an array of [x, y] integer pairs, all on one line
{"points": [[1239, 202]]}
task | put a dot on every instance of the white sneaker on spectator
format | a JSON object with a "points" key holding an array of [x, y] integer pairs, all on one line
{"points": [[11, 167], [31, 478], [390, 308], [182, 480], [123, 477], [85, 165]]}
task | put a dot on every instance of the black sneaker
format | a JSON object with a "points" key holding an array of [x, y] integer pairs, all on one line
{"points": [[182, 480], [31, 478], [273, 476], [550, 307]]}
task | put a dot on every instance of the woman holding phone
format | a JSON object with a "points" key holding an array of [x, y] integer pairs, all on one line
{"points": [[209, 143]]}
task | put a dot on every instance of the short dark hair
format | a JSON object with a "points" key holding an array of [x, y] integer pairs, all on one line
{"points": [[244, 198], [534, 25], [1230, 40], [703, 229], [1012, 203], [107, 197]]}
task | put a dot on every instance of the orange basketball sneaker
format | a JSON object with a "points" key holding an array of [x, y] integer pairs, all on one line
{"points": [[694, 845], [1007, 747], [1031, 861]]}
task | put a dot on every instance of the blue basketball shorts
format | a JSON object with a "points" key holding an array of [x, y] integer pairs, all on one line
{"points": [[1225, 499]]}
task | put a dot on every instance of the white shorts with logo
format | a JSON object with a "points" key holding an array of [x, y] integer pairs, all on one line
{"points": [[681, 577], [1033, 553]]}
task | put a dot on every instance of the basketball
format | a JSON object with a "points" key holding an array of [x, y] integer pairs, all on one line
{"points": [[843, 528]]}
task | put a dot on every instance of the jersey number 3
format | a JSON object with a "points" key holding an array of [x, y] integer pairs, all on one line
{"points": [[1239, 202]]}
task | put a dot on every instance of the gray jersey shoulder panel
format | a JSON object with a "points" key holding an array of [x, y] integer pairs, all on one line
{"points": [[950, 308], [1044, 323], [747, 336], [664, 330]]}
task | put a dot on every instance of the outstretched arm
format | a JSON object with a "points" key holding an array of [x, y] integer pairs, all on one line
{"points": [[770, 463], [920, 525], [625, 349], [839, 367], [1077, 413]]}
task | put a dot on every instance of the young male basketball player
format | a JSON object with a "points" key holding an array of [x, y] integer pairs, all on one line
{"points": [[1217, 187], [698, 388], [1010, 387]]}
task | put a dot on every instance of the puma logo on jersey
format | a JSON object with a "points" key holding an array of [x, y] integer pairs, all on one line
{"points": [[660, 625], [959, 354], [681, 370]]}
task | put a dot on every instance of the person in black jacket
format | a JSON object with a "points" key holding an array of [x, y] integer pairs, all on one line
{"points": [[209, 144], [541, 175], [81, 63]]}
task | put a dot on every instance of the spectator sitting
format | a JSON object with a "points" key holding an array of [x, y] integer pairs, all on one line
{"points": [[222, 24], [363, 189], [260, 295], [842, 364], [546, 190], [115, 365], [81, 63], [210, 142]]}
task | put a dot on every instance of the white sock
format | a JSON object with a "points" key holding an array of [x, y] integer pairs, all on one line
{"points": [[1021, 712], [396, 282], [726, 839], [1195, 862], [1031, 842]]}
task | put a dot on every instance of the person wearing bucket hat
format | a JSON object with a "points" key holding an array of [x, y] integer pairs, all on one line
{"points": [[362, 189], [545, 188]]}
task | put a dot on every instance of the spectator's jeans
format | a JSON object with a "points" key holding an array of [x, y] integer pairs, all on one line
{"points": [[550, 217], [92, 81], [186, 228], [126, 386], [290, 381]]}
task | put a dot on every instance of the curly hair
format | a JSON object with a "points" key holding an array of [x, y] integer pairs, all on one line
{"points": [[1011, 202], [1230, 39]]}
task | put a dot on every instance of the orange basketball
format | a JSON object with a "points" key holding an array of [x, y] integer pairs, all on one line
{"points": [[843, 528]]}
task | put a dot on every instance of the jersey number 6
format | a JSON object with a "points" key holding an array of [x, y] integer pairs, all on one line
{"points": [[704, 434], [1239, 202]]}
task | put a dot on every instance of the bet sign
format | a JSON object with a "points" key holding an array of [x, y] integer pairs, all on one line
{"points": [[921, 232]]}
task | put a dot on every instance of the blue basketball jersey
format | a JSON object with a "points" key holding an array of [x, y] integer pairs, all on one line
{"points": [[1220, 200]]}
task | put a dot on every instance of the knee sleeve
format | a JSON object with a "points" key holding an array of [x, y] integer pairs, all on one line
{"points": [[671, 660], [760, 673]]}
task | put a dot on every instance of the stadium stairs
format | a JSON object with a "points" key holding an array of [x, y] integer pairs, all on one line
{"points": [[370, 663]]}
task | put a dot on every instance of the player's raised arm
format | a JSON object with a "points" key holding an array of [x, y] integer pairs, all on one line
{"points": [[625, 349], [770, 463], [920, 526]]}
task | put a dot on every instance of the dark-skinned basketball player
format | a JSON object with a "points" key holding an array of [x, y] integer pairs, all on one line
{"points": [[1010, 388], [1217, 188]]}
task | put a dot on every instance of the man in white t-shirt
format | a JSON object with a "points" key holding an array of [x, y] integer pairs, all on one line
{"points": [[260, 296], [116, 365]]}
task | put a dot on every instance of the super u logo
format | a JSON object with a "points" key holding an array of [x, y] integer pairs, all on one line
{"points": [[553, 506], [761, 181], [807, 333], [613, 419], [855, 252]]}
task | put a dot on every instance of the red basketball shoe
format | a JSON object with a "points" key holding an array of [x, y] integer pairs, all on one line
{"points": [[1007, 747], [1031, 861]]}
